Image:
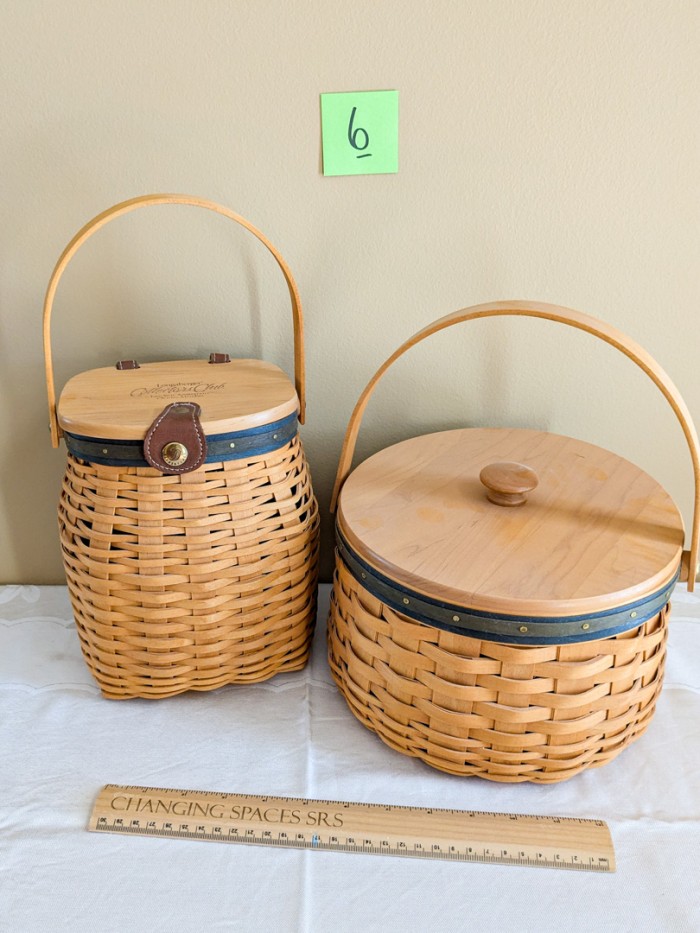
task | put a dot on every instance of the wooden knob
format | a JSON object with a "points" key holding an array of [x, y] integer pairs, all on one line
{"points": [[508, 483]]}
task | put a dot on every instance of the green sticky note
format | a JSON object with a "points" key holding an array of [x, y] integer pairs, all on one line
{"points": [[360, 132]]}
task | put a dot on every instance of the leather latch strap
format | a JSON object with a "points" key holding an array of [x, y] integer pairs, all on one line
{"points": [[175, 442]]}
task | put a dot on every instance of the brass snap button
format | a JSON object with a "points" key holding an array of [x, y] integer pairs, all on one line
{"points": [[174, 454]]}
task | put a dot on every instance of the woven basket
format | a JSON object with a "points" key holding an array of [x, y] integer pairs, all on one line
{"points": [[502, 712], [189, 579], [467, 689]]}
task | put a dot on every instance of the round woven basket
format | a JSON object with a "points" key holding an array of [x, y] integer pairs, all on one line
{"points": [[513, 644], [194, 578], [502, 712]]}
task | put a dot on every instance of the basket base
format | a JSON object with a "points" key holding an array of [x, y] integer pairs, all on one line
{"points": [[500, 712]]}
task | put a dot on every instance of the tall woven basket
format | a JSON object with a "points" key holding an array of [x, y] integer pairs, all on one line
{"points": [[188, 524], [501, 596]]}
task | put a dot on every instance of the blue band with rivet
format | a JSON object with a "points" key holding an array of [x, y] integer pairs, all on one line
{"points": [[236, 445], [507, 629]]}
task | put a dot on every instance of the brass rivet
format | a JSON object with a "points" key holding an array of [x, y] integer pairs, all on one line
{"points": [[633, 615], [364, 576], [231, 444], [586, 626], [405, 601], [455, 618], [174, 453], [523, 628], [104, 450]]}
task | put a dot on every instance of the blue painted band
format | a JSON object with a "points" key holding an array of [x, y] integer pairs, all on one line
{"points": [[233, 446], [507, 629]]}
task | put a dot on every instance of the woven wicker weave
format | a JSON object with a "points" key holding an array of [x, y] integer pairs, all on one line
{"points": [[195, 581], [473, 707]]}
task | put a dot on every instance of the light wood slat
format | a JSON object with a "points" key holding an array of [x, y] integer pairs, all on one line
{"points": [[122, 404], [344, 826]]}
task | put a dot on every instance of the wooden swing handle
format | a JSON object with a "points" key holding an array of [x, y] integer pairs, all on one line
{"points": [[576, 319], [144, 201]]}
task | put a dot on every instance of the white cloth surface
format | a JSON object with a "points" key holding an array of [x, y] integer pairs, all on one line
{"points": [[294, 736]]}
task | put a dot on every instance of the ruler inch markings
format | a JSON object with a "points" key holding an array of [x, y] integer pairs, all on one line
{"points": [[530, 840]]}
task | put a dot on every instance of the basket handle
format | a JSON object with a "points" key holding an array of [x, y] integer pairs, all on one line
{"points": [[124, 208], [563, 316]]}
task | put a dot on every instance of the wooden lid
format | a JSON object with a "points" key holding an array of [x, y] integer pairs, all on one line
{"points": [[594, 533], [122, 404]]}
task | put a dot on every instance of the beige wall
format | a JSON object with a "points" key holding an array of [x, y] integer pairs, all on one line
{"points": [[548, 150]]}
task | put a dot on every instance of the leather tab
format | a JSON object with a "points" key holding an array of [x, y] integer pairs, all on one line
{"points": [[175, 442], [219, 358], [127, 364]]}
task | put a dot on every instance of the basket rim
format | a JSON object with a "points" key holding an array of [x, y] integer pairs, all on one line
{"points": [[522, 629], [235, 445]]}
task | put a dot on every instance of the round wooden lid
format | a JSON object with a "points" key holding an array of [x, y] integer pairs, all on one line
{"points": [[594, 532], [121, 404]]}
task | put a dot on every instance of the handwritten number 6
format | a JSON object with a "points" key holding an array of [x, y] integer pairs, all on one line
{"points": [[356, 136]]}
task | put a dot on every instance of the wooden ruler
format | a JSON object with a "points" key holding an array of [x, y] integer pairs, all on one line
{"points": [[370, 828]]}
